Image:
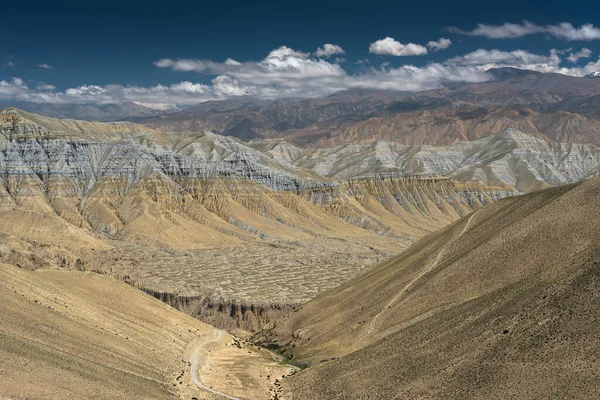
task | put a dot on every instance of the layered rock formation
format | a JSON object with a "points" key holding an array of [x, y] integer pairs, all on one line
{"points": [[509, 158], [219, 229]]}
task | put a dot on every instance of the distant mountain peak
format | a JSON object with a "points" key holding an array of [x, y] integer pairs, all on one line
{"points": [[593, 75]]}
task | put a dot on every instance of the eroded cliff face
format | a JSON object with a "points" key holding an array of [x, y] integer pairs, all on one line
{"points": [[509, 158], [215, 228], [229, 314]]}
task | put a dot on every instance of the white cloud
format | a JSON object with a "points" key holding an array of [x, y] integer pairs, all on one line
{"points": [[392, 47], [328, 50], [156, 106], [86, 90], [183, 64], [412, 78], [227, 86], [441, 44], [231, 61], [583, 53], [45, 66], [517, 58], [18, 82], [284, 52], [551, 63], [14, 88], [285, 72], [567, 31], [283, 66], [45, 86], [563, 30]]}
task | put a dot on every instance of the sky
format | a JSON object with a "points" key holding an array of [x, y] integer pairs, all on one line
{"points": [[188, 52]]}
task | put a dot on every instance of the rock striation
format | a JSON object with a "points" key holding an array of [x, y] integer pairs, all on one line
{"points": [[220, 229], [510, 158]]}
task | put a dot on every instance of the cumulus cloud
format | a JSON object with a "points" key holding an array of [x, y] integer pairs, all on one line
{"points": [[284, 52], [392, 47], [563, 30], [12, 88], [328, 50], [231, 61], [583, 53], [282, 66], [441, 44], [45, 66]]}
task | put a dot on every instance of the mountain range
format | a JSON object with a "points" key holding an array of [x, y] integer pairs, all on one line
{"points": [[509, 158], [105, 196], [552, 106]]}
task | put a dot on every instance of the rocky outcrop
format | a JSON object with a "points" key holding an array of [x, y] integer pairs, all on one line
{"points": [[226, 314]]}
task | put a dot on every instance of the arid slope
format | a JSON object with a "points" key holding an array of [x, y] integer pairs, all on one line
{"points": [[501, 304], [75, 335]]}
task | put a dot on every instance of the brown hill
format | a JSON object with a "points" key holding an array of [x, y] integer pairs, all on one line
{"points": [[75, 335], [501, 304], [450, 125], [424, 120]]}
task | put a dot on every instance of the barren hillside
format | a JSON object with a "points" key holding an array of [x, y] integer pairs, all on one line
{"points": [[501, 304], [75, 335]]}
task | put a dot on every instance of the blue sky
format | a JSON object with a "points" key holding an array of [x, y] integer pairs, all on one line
{"points": [[176, 52]]}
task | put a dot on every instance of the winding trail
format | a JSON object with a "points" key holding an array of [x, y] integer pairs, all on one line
{"points": [[196, 360], [373, 323]]}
